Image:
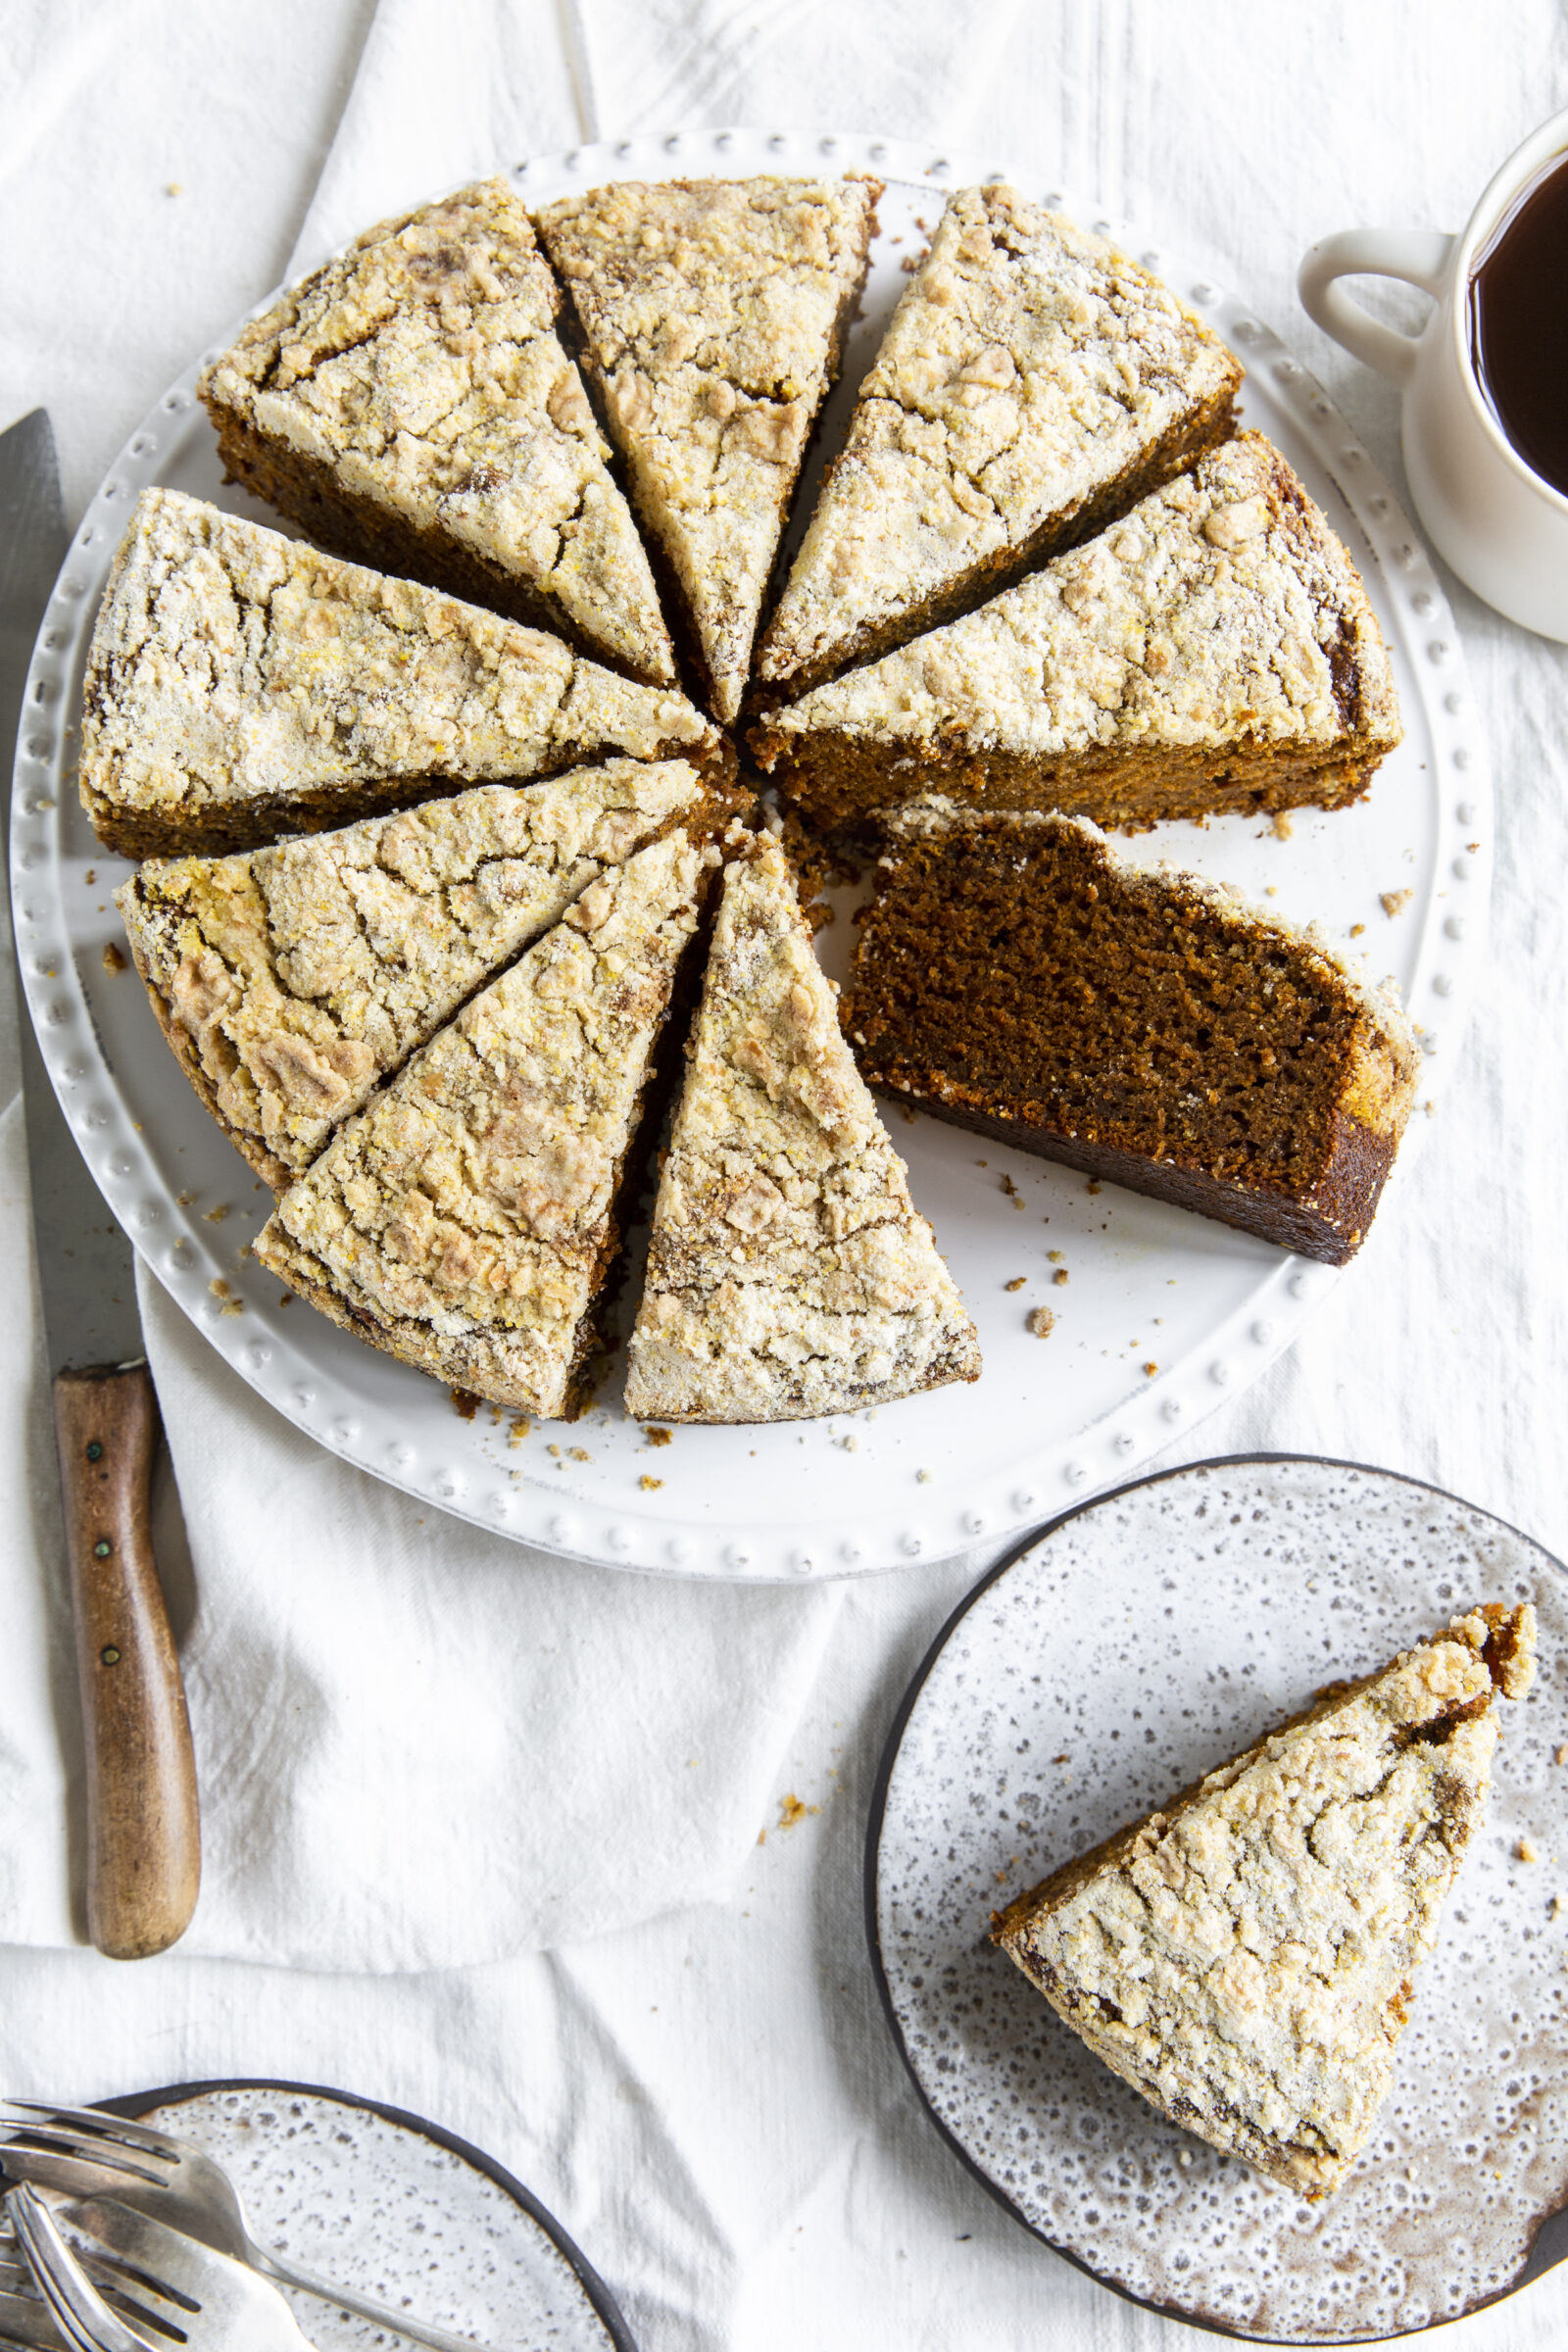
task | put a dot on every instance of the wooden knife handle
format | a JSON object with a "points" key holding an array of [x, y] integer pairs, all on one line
{"points": [[143, 1833]]}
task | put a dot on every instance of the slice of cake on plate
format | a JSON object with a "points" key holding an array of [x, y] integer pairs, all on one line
{"points": [[789, 1273], [410, 405], [240, 685], [1033, 383], [291, 980], [1246, 1957], [1019, 976], [1213, 651], [713, 315], [466, 1221]]}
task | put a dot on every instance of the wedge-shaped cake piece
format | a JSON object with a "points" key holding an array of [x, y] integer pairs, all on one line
{"points": [[1033, 383], [290, 981], [789, 1272], [241, 684], [713, 315], [411, 405], [1020, 977], [1213, 651], [1246, 1957], [466, 1220]]}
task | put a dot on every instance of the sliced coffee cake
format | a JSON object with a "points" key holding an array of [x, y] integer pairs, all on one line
{"points": [[1245, 1956], [411, 406], [713, 315], [1212, 650], [290, 981], [1019, 976], [466, 1220], [241, 685], [789, 1273], [1034, 382]]}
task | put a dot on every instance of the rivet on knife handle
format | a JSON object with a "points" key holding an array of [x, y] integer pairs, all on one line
{"points": [[143, 1837]]}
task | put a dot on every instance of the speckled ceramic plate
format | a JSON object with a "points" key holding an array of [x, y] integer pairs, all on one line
{"points": [[397, 2208], [1129, 1648], [1403, 876]]}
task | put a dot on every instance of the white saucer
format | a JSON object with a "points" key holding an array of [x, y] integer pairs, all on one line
{"points": [[1148, 1285], [1129, 1649]]}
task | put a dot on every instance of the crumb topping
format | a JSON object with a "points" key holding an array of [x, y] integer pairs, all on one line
{"points": [[301, 975], [712, 311], [423, 368], [1028, 364], [464, 1219], [1221, 608], [229, 664], [789, 1273], [1245, 1956]]}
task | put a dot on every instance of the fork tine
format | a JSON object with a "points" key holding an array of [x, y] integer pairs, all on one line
{"points": [[92, 2124], [80, 2310]]}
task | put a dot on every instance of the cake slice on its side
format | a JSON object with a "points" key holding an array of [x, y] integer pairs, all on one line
{"points": [[240, 685], [1212, 650], [1034, 382], [290, 981], [1019, 978], [466, 1220], [411, 406], [789, 1273], [713, 314], [1245, 1956]]}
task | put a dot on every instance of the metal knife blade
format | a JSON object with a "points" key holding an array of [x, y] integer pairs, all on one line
{"points": [[143, 1841], [85, 1263]]}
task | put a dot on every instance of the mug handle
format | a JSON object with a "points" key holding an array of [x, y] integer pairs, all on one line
{"points": [[1418, 256]]}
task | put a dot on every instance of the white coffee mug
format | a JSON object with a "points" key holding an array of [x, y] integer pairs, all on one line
{"points": [[1503, 528]]}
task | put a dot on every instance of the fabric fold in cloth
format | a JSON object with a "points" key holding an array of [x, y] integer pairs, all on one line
{"points": [[422, 1745]]}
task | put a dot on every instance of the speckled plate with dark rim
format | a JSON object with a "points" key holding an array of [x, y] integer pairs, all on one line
{"points": [[1146, 1636], [385, 2202]]}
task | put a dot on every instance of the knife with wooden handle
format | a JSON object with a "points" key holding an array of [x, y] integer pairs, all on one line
{"points": [[143, 1837]]}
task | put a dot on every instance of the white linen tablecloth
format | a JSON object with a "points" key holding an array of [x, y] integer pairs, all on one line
{"points": [[420, 1749]]}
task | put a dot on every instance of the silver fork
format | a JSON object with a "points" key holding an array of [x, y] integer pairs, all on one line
{"points": [[89, 2154], [182, 2292], [23, 2314]]}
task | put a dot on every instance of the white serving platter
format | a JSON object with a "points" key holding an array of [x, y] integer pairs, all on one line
{"points": [[1125, 1651], [1148, 1283]]}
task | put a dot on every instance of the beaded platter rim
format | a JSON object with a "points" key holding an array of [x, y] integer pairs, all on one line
{"points": [[135, 2105], [398, 1427], [1547, 2242]]}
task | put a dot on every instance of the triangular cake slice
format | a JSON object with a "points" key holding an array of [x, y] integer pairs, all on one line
{"points": [[713, 315], [1213, 651], [290, 981], [241, 684], [466, 1220], [1021, 976], [1246, 1957], [789, 1273], [1033, 383], [411, 406]]}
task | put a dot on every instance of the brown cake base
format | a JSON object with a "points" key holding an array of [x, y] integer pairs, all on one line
{"points": [[1201, 428], [310, 493], [1017, 979], [218, 827], [843, 783]]}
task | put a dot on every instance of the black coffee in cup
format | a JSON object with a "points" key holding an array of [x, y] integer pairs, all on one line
{"points": [[1519, 325]]}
